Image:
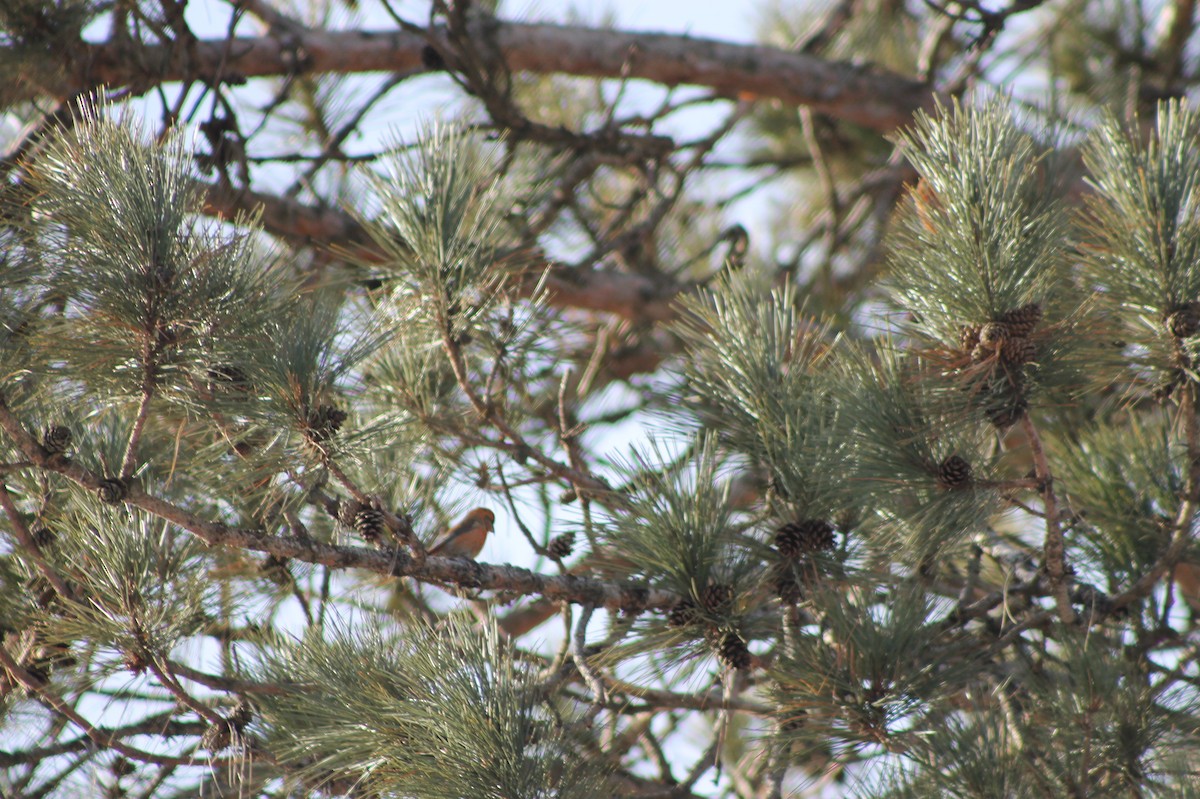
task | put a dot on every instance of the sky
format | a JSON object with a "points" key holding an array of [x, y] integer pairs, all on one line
{"points": [[717, 19]]}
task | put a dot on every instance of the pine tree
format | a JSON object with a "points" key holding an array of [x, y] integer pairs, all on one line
{"points": [[899, 502]]}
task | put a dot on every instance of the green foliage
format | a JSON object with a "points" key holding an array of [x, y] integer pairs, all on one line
{"points": [[680, 531], [986, 233], [1102, 723], [1142, 230], [1125, 479], [904, 435], [140, 583], [913, 549], [444, 711], [881, 664], [443, 228], [754, 377], [157, 299]]}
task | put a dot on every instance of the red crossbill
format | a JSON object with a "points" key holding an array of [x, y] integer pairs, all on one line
{"points": [[466, 539]]}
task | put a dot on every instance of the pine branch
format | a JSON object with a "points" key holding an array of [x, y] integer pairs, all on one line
{"points": [[456, 571], [872, 98], [101, 737], [1054, 550]]}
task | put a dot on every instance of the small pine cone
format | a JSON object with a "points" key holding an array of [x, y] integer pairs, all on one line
{"points": [[1019, 351], [954, 472], [968, 337], [980, 353], [561, 546], [431, 59], [1004, 416], [717, 597], [1184, 320], [808, 535], [370, 524], [241, 716], [732, 651], [324, 422], [112, 490], [1022, 321], [684, 613], [121, 767], [787, 587], [56, 439], [218, 736], [275, 569], [993, 335], [42, 535], [348, 509]]}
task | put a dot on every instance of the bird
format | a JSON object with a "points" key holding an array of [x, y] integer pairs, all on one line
{"points": [[466, 539]]}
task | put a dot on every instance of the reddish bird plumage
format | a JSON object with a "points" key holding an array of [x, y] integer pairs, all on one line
{"points": [[466, 539]]}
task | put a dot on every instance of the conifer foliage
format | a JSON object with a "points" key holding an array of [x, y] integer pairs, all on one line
{"points": [[912, 515]]}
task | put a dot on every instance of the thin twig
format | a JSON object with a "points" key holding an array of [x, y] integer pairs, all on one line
{"points": [[1054, 551]]}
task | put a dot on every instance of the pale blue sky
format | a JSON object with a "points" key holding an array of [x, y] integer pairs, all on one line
{"points": [[719, 19]]}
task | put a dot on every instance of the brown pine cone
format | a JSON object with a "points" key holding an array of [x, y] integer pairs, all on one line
{"points": [[732, 651], [993, 335], [1183, 320], [1019, 351], [684, 613], [561, 546], [954, 472], [795, 539], [968, 337], [717, 597], [324, 422], [56, 439], [370, 524], [1023, 320]]}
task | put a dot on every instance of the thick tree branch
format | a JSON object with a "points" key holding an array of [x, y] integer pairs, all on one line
{"points": [[633, 297], [875, 99]]}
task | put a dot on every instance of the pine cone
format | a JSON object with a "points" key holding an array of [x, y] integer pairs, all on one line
{"points": [[241, 716], [993, 335], [684, 613], [1004, 415], [348, 509], [968, 338], [42, 535], [370, 524], [324, 422], [222, 733], [954, 472], [732, 651], [787, 587], [112, 490], [275, 569], [1183, 320], [795, 539], [1019, 351], [218, 736], [56, 439], [1022, 321], [561, 546], [717, 597]]}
